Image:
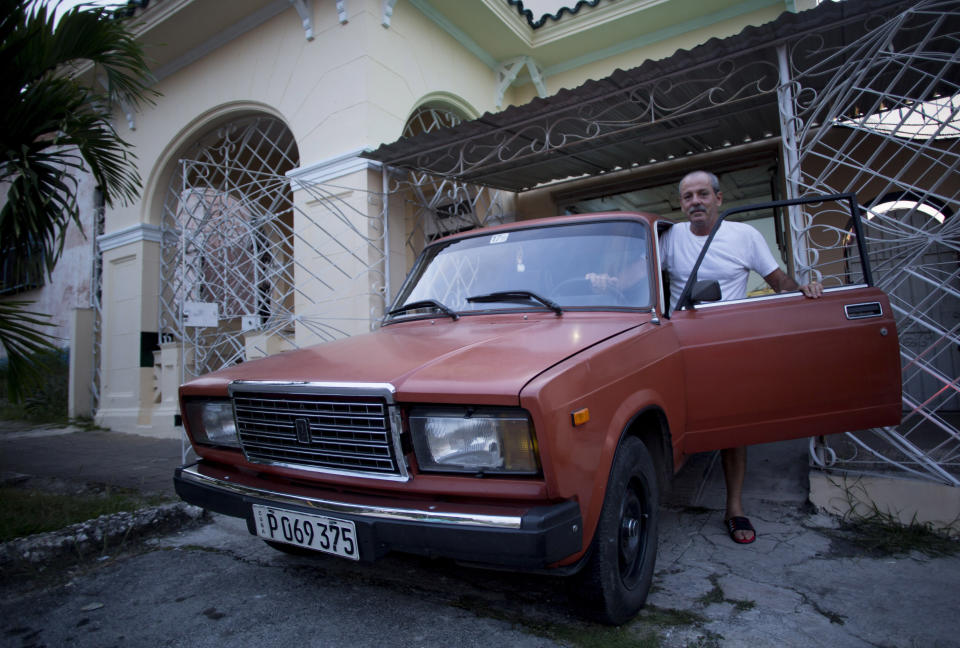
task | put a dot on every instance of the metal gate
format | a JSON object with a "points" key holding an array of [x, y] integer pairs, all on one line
{"points": [[243, 266], [440, 206], [227, 234], [879, 117], [886, 126]]}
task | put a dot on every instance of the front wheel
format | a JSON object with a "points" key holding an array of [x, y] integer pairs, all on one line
{"points": [[614, 583]]}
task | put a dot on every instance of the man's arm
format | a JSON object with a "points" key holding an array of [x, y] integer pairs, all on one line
{"points": [[630, 277], [781, 282]]}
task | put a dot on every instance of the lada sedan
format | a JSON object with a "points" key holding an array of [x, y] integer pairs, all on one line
{"points": [[510, 413]]}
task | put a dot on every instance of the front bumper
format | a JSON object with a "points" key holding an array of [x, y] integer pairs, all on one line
{"points": [[501, 536]]}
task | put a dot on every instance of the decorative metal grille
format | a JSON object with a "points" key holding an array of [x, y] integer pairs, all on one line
{"points": [[238, 252], [886, 126], [227, 228], [439, 206], [348, 434]]}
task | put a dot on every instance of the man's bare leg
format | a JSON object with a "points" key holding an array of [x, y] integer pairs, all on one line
{"points": [[734, 462]]}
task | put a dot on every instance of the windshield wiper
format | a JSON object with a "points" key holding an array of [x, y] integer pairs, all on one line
{"points": [[425, 303], [522, 296]]}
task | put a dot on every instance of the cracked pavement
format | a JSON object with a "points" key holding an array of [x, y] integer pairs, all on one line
{"points": [[797, 585]]}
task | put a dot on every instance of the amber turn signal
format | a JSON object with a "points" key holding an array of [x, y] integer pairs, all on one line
{"points": [[581, 416]]}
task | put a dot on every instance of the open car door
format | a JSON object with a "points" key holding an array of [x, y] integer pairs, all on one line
{"points": [[785, 366]]}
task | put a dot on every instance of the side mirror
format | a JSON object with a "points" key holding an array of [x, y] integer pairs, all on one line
{"points": [[705, 291]]}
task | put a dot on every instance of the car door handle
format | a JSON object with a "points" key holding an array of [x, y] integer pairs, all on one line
{"points": [[860, 311]]}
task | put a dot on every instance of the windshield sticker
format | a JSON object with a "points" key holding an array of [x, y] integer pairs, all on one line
{"points": [[499, 238]]}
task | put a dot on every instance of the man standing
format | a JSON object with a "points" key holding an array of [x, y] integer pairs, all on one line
{"points": [[736, 249]]}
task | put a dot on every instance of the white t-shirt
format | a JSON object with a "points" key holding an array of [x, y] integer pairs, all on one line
{"points": [[737, 249]]}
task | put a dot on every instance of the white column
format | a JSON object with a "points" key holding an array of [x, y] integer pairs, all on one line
{"points": [[131, 281], [338, 247], [80, 380]]}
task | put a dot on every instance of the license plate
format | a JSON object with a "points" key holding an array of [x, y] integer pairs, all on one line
{"points": [[338, 537]]}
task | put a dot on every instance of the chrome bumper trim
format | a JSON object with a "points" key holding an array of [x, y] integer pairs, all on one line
{"points": [[193, 475]]}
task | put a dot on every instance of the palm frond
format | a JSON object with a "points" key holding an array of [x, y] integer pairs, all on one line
{"points": [[53, 125], [21, 336], [95, 34]]}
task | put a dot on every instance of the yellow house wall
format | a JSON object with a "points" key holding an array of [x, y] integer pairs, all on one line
{"points": [[352, 87]]}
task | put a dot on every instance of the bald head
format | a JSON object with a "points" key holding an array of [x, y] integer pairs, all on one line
{"points": [[711, 178]]}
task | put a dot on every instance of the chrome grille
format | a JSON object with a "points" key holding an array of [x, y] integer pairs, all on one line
{"points": [[317, 431]]}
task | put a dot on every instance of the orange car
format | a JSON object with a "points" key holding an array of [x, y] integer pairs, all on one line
{"points": [[510, 413]]}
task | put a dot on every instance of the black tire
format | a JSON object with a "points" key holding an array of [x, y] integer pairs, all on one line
{"points": [[615, 580]]}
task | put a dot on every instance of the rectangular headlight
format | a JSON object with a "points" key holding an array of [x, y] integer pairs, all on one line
{"points": [[487, 440], [211, 422]]}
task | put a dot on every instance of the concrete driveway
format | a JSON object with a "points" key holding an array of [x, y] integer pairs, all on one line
{"points": [[802, 583]]}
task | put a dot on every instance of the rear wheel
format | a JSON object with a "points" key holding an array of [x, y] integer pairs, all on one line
{"points": [[614, 583]]}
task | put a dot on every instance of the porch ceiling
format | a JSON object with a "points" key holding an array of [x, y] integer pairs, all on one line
{"points": [[716, 95], [497, 30]]}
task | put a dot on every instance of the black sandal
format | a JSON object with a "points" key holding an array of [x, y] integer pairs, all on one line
{"points": [[740, 523]]}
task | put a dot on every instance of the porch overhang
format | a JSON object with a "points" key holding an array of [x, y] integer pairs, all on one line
{"points": [[720, 94]]}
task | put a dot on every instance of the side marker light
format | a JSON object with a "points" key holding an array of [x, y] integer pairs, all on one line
{"points": [[581, 416]]}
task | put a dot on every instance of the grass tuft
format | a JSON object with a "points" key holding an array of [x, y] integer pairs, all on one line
{"points": [[669, 617], [576, 634], [48, 394], [25, 511], [880, 534], [716, 595]]}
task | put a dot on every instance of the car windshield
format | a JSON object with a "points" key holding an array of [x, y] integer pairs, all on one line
{"points": [[597, 265]]}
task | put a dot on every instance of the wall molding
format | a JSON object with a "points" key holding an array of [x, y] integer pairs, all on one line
{"points": [[129, 235], [331, 169]]}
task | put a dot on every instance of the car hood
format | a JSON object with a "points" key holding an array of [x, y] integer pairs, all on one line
{"points": [[485, 358]]}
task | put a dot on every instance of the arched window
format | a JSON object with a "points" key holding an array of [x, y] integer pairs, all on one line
{"points": [[441, 206], [227, 246], [429, 118]]}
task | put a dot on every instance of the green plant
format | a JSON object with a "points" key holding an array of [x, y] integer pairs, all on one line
{"points": [[881, 532], [636, 634], [45, 392], [58, 124], [26, 511], [669, 617], [22, 339], [716, 595]]}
